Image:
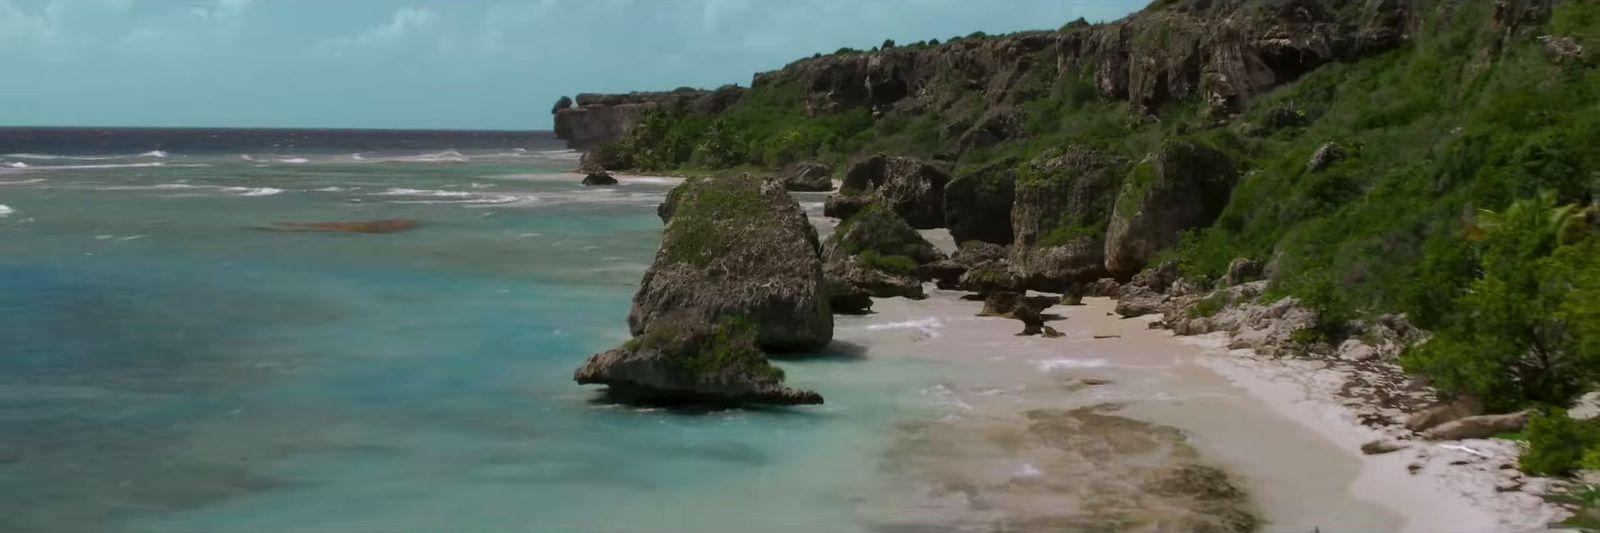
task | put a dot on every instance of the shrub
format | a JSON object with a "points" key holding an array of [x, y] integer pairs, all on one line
{"points": [[1557, 444]]}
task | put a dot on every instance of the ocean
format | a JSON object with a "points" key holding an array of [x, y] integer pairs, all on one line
{"points": [[171, 362]]}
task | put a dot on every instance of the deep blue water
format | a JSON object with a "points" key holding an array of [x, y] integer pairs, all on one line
{"points": [[168, 365]]}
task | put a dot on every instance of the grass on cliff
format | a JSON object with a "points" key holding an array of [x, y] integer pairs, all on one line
{"points": [[735, 202]]}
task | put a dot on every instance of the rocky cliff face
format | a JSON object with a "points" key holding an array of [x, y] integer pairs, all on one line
{"points": [[1223, 51], [1058, 219], [601, 118], [1180, 187]]}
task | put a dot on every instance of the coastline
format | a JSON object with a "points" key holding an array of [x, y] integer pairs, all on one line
{"points": [[1465, 486]]}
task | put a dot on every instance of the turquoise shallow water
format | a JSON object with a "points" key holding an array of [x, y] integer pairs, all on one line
{"points": [[166, 365]]}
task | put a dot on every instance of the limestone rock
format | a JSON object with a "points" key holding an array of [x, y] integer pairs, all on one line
{"points": [[683, 358], [843, 206], [1059, 217], [977, 204], [1478, 427], [974, 253], [1000, 303], [1137, 301], [876, 252], [809, 177], [605, 157], [1355, 351], [606, 118], [599, 178], [739, 247], [946, 273], [1443, 413], [988, 277], [911, 187], [564, 103], [1183, 185], [1242, 271], [1380, 447]]}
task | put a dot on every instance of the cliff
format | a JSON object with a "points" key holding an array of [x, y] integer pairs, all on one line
{"points": [[600, 118]]}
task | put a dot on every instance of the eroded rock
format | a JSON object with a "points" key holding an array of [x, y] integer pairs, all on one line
{"points": [[683, 358], [1183, 185]]}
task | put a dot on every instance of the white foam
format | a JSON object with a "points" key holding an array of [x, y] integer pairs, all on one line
{"points": [[155, 154], [89, 167], [17, 164], [6, 210], [427, 192], [254, 191], [928, 326], [22, 182], [331, 189], [1051, 365], [294, 160]]}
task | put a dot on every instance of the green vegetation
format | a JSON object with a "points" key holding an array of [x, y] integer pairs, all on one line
{"points": [[1557, 444], [699, 209], [729, 346], [1465, 198], [1068, 232], [890, 264]]}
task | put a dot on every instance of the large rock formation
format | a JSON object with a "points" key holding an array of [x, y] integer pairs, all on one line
{"points": [[977, 204], [682, 357], [808, 177], [1182, 186], [1218, 51], [738, 247], [911, 187], [1059, 217], [603, 118], [877, 254]]}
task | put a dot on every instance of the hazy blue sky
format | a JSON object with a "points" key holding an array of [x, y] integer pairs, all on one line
{"points": [[431, 63]]}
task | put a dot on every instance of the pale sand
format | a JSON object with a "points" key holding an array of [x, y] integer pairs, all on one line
{"points": [[1270, 424]]}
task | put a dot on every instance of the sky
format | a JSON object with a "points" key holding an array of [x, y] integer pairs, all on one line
{"points": [[432, 64]]}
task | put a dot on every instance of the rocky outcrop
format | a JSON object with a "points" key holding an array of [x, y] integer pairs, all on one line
{"points": [[877, 253], [1325, 156], [809, 177], [683, 358], [603, 118], [977, 204], [738, 247], [1220, 52], [599, 178], [1181, 186], [1444, 413], [1059, 217], [911, 187]]}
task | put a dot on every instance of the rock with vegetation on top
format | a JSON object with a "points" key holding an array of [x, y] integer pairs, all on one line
{"points": [[977, 204], [809, 177], [876, 252], [1240, 271], [739, 247], [974, 253], [1059, 217], [681, 357], [843, 206], [911, 187], [988, 277], [599, 178], [1182, 186]]}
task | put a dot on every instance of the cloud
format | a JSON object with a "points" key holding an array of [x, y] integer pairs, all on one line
{"points": [[404, 23]]}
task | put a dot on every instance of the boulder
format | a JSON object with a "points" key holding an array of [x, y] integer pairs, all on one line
{"points": [[989, 277], [683, 358], [1325, 156], [1137, 301], [846, 298], [1032, 318], [599, 178], [809, 177], [1380, 447], [1000, 303], [1059, 217], [946, 273], [1355, 351], [876, 252], [878, 229], [977, 204], [1443, 413], [1478, 427], [1182, 186], [974, 253], [739, 247], [1241, 271], [1103, 288], [842, 206], [911, 187]]}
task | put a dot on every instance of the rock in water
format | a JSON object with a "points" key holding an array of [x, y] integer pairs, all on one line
{"points": [[977, 205], [683, 358], [877, 253], [911, 187], [739, 247], [599, 178], [1059, 217], [1180, 187], [809, 177]]}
